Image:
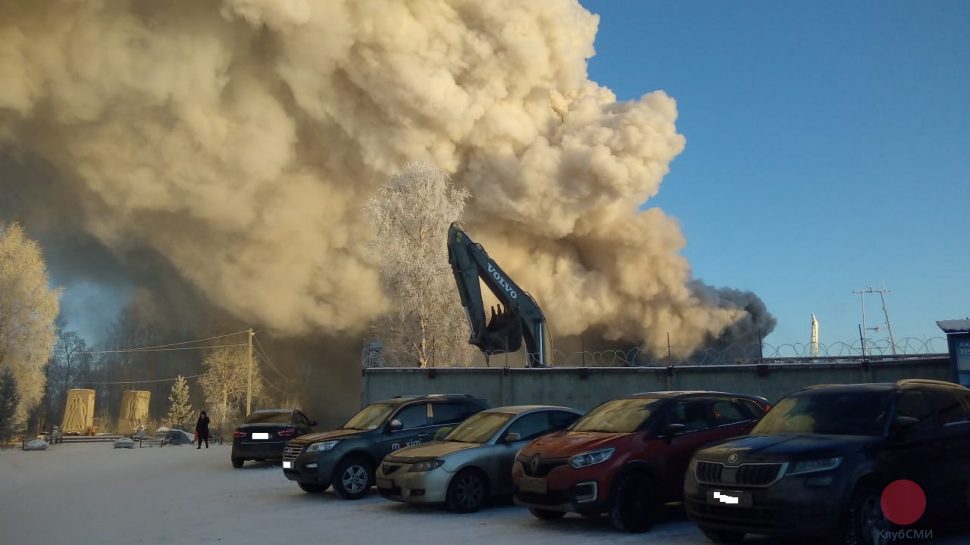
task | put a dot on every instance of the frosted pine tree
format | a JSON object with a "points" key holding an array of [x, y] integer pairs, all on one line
{"points": [[180, 410]]}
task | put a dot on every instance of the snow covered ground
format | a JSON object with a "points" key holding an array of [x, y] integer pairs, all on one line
{"points": [[96, 494]]}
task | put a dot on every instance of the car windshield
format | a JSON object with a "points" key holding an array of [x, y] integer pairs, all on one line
{"points": [[617, 416], [478, 428], [370, 417], [835, 413], [268, 418]]}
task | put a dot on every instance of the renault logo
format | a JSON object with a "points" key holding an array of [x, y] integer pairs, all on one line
{"points": [[733, 459], [534, 464]]}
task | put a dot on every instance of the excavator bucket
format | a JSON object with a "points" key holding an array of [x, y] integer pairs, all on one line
{"points": [[503, 332]]}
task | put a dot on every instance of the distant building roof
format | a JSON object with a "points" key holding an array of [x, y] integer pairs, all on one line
{"points": [[954, 326]]}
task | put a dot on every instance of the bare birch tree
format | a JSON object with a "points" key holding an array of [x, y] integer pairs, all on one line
{"points": [[410, 216], [225, 382], [28, 308]]}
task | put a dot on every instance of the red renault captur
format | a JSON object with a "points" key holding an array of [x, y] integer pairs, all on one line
{"points": [[628, 456]]}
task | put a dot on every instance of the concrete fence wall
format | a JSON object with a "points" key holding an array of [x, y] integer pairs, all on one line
{"points": [[586, 387]]}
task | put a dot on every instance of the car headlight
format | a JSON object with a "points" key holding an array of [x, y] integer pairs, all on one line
{"points": [[426, 465], [811, 466], [590, 458], [322, 447]]}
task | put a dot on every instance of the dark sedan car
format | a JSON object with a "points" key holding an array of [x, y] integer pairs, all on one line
{"points": [[263, 434]]}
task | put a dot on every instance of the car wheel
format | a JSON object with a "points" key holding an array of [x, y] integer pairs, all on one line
{"points": [[634, 505], [723, 536], [467, 491], [313, 488], [237, 462], [546, 514], [866, 524], [353, 478]]}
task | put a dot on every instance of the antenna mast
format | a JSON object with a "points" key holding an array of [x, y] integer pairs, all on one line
{"points": [[885, 310]]}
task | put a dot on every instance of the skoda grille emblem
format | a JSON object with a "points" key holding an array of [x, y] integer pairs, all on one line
{"points": [[534, 464], [387, 467], [733, 459]]}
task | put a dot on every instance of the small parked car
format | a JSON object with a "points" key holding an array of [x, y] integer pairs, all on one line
{"points": [[819, 463], [628, 456], [473, 463], [346, 457], [264, 433]]}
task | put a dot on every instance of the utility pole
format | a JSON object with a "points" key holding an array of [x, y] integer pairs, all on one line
{"points": [[249, 387]]}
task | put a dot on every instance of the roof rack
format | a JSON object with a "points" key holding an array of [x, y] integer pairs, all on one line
{"points": [[926, 381]]}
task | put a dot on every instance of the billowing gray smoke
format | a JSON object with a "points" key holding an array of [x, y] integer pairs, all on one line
{"points": [[239, 139]]}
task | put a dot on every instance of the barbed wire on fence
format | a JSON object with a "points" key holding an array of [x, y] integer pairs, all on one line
{"points": [[374, 356]]}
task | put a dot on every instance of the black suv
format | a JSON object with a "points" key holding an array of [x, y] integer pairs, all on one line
{"points": [[827, 461], [346, 457]]}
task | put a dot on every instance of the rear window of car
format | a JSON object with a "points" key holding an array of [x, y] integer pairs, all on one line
{"points": [[268, 418], [449, 413]]}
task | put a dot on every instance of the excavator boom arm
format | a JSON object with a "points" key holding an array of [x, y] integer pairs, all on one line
{"points": [[518, 318]]}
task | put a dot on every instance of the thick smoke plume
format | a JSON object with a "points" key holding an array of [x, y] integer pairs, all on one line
{"points": [[239, 140]]}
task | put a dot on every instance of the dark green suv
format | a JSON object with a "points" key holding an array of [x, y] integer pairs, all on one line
{"points": [[346, 457]]}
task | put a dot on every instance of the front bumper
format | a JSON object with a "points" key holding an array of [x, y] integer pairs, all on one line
{"points": [[395, 482], [310, 468], [793, 506], [566, 489]]}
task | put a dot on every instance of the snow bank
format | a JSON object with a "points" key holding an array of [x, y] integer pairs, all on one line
{"points": [[125, 442]]}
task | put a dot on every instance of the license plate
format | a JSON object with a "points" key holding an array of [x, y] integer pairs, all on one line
{"points": [[531, 484], [287, 465], [732, 498], [386, 484], [260, 435]]}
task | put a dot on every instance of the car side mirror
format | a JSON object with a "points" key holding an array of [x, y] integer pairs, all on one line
{"points": [[512, 437], [395, 425], [442, 433], [670, 430]]}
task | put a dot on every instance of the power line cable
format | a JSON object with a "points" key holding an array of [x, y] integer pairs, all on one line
{"points": [[138, 381], [147, 350], [262, 358], [262, 351], [185, 342]]}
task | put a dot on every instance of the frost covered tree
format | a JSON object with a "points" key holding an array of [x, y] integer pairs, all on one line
{"points": [[180, 410], [28, 308], [410, 216], [225, 383], [9, 401]]}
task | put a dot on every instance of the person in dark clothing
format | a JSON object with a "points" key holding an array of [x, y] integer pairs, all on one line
{"points": [[202, 429]]}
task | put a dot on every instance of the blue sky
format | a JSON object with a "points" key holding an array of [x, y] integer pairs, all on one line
{"points": [[828, 148]]}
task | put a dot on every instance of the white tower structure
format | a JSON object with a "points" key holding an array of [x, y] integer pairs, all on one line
{"points": [[814, 344]]}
